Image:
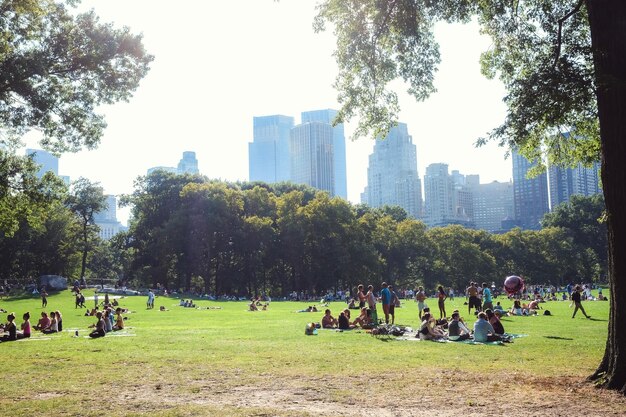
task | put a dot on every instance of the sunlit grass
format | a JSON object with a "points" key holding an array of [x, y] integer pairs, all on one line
{"points": [[192, 353]]}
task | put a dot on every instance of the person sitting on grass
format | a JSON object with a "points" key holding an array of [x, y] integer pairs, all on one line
{"points": [[429, 329], [483, 330], [98, 327], [516, 310], [26, 329], [253, 306], [43, 322], [363, 320], [495, 322], [59, 318], [457, 330], [344, 320], [119, 320], [328, 321], [53, 327], [10, 328], [499, 310], [107, 316], [352, 304]]}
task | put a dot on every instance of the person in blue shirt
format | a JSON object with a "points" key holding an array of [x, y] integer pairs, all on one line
{"points": [[483, 330], [385, 296], [487, 300]]}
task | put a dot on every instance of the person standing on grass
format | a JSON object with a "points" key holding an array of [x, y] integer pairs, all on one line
{"points": [[395, 302], [371, 303], [44, 297], [487, 297], [576, 299], [474, 301], [150, 303], [420, 297], [385, 298], [361, 296], [441, 295]]}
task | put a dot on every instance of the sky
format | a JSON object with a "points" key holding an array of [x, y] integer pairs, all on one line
{"points": [[219, 64]]}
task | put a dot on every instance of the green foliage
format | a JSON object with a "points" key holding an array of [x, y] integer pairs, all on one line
{"points": [[57, 67], [541, 51], [249, 239]]}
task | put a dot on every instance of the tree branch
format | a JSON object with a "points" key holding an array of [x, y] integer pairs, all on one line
{"points": [[562, 20]]}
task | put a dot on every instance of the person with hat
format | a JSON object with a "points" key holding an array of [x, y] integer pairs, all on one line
{"points": [[576, 299]]}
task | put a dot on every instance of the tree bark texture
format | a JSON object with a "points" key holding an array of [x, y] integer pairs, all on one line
{"points": [[607, 20]]}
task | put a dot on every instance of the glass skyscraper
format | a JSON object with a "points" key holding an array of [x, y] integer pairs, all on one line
{"points": [[312, 156], [565, 182], [392, 177], [45, 160], [530, 195], [269, 152], [188, 164], [339, 147]]}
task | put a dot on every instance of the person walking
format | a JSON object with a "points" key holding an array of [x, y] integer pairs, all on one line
{"points": [[576, 299], [441, 295]]}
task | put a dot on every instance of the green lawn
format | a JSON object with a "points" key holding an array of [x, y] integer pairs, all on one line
{"points": [[229, 361]]}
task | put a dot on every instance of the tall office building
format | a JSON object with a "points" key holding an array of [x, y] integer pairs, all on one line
{"points": [[45, 160], [311, 159], [493, 203], [530, 194], [269, 152], [339, 147], [188, 164], [438, 195], [565, 182], [392, 178], [107, 221]]}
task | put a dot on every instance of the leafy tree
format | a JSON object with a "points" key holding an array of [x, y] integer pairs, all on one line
{"points": [[563, 63], [85, 200]]}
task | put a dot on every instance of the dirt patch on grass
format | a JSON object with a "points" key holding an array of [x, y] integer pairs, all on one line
{"points": [[450, 393]]}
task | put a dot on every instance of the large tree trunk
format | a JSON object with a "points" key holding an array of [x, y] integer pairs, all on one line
{"points": [[608, 38]]}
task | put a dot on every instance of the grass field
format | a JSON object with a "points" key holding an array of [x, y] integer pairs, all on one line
{"points": [[229, 361]]}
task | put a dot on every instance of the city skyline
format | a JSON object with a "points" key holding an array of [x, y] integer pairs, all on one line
{"points": [[209, 80]]}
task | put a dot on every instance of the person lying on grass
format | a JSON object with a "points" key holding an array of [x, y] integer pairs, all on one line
{"points": [[483, 330], [328, 321], [429, 329], [457, 330]]}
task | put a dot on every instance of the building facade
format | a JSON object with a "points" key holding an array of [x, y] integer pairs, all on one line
{"points": [[566, 182], [269, 152], [339, 147], [106, 220], [188, 164], [392, 177], [530, 194], [493, 204], [311, 158], [46, 161]]}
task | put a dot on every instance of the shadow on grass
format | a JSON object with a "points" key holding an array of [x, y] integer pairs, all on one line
{"points": [[558, 338], [594, 319]]}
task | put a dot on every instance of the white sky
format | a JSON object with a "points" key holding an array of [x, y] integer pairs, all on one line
{"points": [[218, 64]]}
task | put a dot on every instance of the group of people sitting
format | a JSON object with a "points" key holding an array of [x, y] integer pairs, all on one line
{"points": [[255, 303], [187, 303], [10, 332], [50, 324], [107, 322], [343, 322], [487, 328]]}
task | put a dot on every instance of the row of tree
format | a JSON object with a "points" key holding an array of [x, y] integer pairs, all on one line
{"points": [[216, 237]]}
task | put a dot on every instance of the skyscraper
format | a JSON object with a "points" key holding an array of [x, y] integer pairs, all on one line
{"points": [[448, 199], [565, 182], [530, 194], [311, 159], [46, 160], [339, 147], [493, 203], [188, 164], [392, 177], [107, 221], [268, 153]]}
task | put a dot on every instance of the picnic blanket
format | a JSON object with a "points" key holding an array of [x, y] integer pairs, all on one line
{"points": [[411, 337]]}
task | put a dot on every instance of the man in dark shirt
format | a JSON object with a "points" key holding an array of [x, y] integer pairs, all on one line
{"points": [[577, 302]]}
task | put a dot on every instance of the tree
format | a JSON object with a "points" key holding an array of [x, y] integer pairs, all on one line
{"points": [[85, 200], [564, 65]]}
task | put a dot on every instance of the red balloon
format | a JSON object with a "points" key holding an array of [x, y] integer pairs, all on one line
{"points": [[513, 284]]}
